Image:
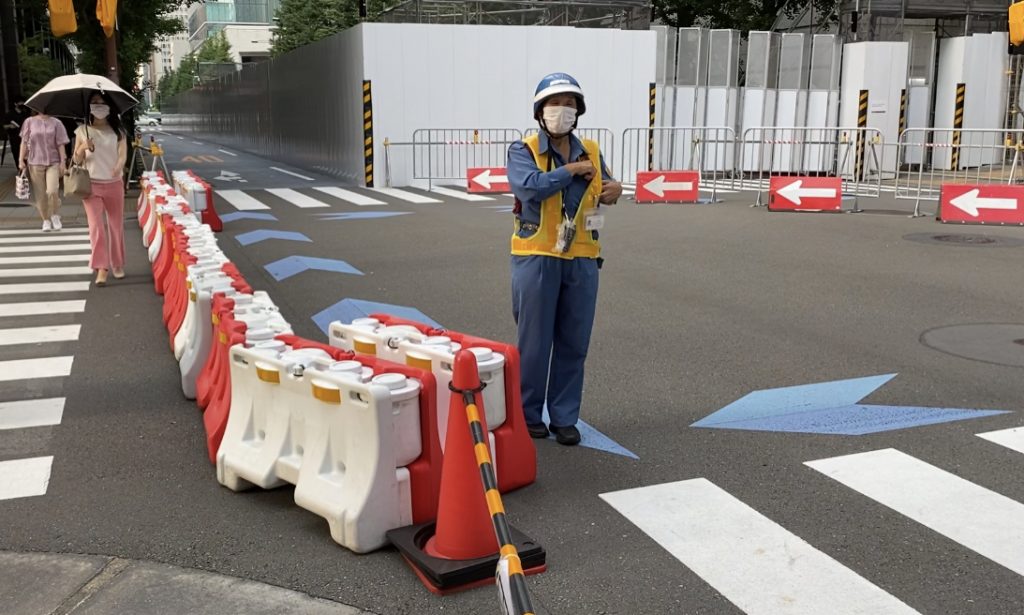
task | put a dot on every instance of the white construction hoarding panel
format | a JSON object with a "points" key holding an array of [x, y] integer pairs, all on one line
{"points": [[463, 76], [880, 68]]}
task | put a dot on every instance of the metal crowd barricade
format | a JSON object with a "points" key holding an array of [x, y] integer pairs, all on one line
{"points": [[851, 154], [444, 154], [930, 157], [605, 139], [709, 150]]}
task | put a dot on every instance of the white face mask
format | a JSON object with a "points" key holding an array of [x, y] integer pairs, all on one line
{"points": [[99, 111], [559, 120]]}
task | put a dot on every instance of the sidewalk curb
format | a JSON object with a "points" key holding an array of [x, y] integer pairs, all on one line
{"points": [[34, 583]]}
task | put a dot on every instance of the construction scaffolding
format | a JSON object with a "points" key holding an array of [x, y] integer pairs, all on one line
{"points": [[623, 14]]}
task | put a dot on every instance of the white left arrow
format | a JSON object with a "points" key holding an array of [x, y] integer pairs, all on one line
{"points": [[793, 192], [485, 179], [969, 202], [659, 186]]}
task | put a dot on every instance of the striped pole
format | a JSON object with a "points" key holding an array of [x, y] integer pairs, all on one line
{"points": [[368, 132], [903, 111], [958, 123], [517, 578], [862, 123], [650, 133]]}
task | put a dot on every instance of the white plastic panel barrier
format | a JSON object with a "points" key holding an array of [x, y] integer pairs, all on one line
{"points": [[477, 76], [191, 189], [406, 345], [343, 440], [881, 69]]}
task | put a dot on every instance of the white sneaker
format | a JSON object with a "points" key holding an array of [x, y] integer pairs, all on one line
{"points": [[47, 226], [56, 222]]}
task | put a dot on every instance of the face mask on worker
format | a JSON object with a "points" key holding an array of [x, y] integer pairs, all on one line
{"points": [[559, 120], [99, 111]]}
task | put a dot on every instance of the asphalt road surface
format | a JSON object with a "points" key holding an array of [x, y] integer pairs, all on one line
{"points": [[699, 306]]}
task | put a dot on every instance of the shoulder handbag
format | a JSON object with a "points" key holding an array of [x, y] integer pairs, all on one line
{"points": [[77, 181]]}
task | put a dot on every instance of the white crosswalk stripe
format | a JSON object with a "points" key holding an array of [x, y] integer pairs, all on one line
{"points": [[347, 195], [460, 194], [764, 569], [44, 287], [37, 308], [1012, 439], [49, 347], [45, 258], [984, 521], [23, 478], [757, 564], [44, 272], [411, 197], [66, 231], [39, 335], [241, 200], [296, 198], [60, 247]]}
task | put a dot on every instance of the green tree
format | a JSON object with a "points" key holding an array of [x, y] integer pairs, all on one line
{"points": [[140, 23], [36, 68], [742, 15], [301, 22]]}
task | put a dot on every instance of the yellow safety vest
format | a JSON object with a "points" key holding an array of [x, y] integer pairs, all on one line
{"points": [[543, 241]]}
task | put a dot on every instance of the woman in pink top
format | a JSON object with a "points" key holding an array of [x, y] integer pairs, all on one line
{"points": [[102, 147], [42, 150]]}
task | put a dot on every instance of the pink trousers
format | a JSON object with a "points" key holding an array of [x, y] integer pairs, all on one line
{"points": [[106, 198]]}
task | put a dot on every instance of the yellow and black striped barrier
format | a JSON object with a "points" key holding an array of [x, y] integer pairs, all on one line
{"points": [[368, 132], [508, 552], [903, 112], [653, 96], [862, 123], [958, 124]]}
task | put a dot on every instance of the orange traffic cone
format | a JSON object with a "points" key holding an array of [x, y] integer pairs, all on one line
{"points": [[460, 550]]}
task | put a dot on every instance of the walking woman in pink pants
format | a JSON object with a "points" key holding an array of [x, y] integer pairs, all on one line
{"points": [[102, 147]]}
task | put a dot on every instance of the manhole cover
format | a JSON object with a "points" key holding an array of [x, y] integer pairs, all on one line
{"points": [[964, 239], [1002, 344]]}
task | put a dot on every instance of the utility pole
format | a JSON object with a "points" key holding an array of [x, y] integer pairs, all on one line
{"points": [[110, 44], [10, 72]]}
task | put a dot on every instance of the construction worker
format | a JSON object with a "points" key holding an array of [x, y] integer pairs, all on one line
{"points": [[559, 182]]}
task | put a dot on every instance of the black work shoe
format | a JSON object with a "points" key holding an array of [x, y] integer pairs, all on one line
{"points": [[539, 431], [569, 436]]}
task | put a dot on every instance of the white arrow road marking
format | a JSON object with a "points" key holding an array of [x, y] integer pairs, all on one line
{"points": [[793, 192], [229, 176], [969, 202], [659, 186], [485, 179]]}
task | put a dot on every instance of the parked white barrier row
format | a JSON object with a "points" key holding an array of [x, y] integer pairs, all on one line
{"points": [[407, 345], [341, 435]]}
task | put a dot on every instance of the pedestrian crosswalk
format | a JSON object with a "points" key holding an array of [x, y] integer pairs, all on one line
{"points": [[320, 197], [764, 568], [39, 304]]}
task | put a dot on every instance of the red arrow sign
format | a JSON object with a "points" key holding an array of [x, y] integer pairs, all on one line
{"points": [[487, 179], [805, 194], [984, 204], [667, 186]]}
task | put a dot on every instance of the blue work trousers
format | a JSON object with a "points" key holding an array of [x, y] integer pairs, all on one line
{"points": [[553, 303]]}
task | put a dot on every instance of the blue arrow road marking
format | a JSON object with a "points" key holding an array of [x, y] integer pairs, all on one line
{"points": [[857, 420], [363, 215], [592, 438], [261, 235], [770, 402], [293, 265], [247, 215], [829, 408], [348, 310]]}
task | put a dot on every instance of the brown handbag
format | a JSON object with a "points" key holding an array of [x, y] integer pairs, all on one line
{"points": [[77, 181]]}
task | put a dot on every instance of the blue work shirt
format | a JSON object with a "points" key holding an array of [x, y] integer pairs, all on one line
{"points": [[531, 185]]}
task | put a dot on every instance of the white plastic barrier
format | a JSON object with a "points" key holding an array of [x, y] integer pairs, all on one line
{"points": [[342, 436], [407, 345], [191, 189], [173, 206], [157, 189], [262, 318]]}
